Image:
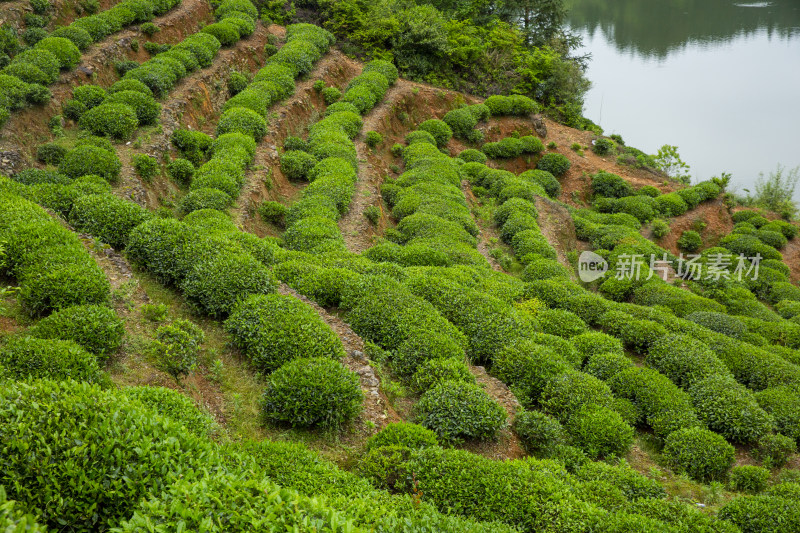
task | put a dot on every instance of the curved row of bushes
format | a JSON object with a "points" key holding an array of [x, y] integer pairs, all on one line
{"points": [[131, 102], [332, 163], [49, 262], [242, 125], [25, 79]]}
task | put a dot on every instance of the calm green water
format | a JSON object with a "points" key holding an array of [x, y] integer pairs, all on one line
{"points": [[718, 78]]}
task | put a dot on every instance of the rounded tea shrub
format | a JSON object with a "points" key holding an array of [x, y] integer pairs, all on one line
{"points": [[107, 217], [204, 198], [296, 164], [749, 479], [312, 392], [436, 371], [690, 241], [456, 411], [34, 358], [217, 283], [63, 49], [116, 472], [181, 171], [242, 120], [701, 453], [118, 121], [439, 129], [146, 108], [600, 432], [273, 329], [403, 434], [97, 328], [539, 433], [50, 153], [90, 160], [555, 164], [775, 450]]}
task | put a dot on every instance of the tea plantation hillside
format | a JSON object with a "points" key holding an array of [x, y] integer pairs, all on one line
{"points": [[254, 277]]}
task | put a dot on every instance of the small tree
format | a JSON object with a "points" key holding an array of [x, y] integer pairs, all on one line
{"points": [[669, 161], [176, 348], [776, 192]]}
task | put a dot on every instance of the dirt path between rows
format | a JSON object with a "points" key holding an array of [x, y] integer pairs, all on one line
{"points": [[507, 445], [487, 233], [265, 181], [559, 230], [378, 411]]}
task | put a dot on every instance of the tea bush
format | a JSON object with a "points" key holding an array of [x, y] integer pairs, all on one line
{"points": [[610, 185], [312, 392], [90, 160], [605, 366], [555, 164], [685, 360], [783, 404], [274, 329], [749, 479], [690, 241], [181, 171], [456, 411], [204, 198], [538, 432], [730, 409], [434, 372], [161, 246], [146, 108], [115, 478], [702, 454], [439, 129], [33, 358], [118, 121], [175, 406], [107, 217], [403, 434], [50, 153], [774, 450], [219, 281], [177, 347], [242, 120], [296, 165], [762, 513], [96, 328]]}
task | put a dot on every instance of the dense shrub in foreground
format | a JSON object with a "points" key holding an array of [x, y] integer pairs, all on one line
{"points": [[701, 453], [555, 164], [312, 392], [456, 411], [32, 358], [434, 372], [114, 477], [97, 328], [176, 406], [274, 329]]}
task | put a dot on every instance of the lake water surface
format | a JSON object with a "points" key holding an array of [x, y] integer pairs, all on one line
{"points": [[718, 78]]}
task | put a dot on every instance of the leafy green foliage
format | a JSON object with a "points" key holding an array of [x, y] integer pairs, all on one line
{"points": [[177, 347], [434, 372], [702, 454], [33, 358], [749, 479], [600, 432], [175, 406], [296, 165], [456, 411], [403, 434], [690, 241], [98, 329], [539, 433], [312, 392], [274, 329], [554, 163], [107, 217], [114, 477]]}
